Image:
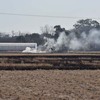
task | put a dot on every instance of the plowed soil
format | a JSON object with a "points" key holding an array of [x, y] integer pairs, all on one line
{"points": [[50, 85]]}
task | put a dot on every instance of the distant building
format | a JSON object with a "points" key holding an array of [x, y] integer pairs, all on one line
{"points": [[17, 47]]}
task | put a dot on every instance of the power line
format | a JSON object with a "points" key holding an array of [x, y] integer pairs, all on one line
{"points": [[31, 15], [48, 16]]}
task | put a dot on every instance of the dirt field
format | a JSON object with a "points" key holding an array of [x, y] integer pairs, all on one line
{"points": [[50, 85]]}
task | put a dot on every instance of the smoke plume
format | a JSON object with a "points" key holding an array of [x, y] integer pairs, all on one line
{"points": [[86, 42], [70, 42]]}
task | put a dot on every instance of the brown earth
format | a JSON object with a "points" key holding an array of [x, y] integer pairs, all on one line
{"points": [[50, 85]]}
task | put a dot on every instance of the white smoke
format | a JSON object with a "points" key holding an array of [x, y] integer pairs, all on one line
{"points": [[86, 42], [49, 44], [90, 41], [75, 44], [56, 45], [29, 50], [61, 42], [94, 37]]}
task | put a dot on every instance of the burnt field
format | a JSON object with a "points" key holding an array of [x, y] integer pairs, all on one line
{"points": [[22, 61]]}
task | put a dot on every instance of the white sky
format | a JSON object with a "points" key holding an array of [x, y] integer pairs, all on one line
{"points": [[71, 8]]}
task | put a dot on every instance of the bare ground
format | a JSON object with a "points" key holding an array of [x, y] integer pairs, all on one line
{"points": [[50, 85]]}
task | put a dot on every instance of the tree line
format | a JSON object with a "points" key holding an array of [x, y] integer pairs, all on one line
{"points": [[83, 25]]}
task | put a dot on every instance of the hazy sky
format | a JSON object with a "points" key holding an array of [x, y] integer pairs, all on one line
{"points": [[71, 8]]}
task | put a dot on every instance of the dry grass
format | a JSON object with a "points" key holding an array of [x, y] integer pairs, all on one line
{"points": [[50, 85]]}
